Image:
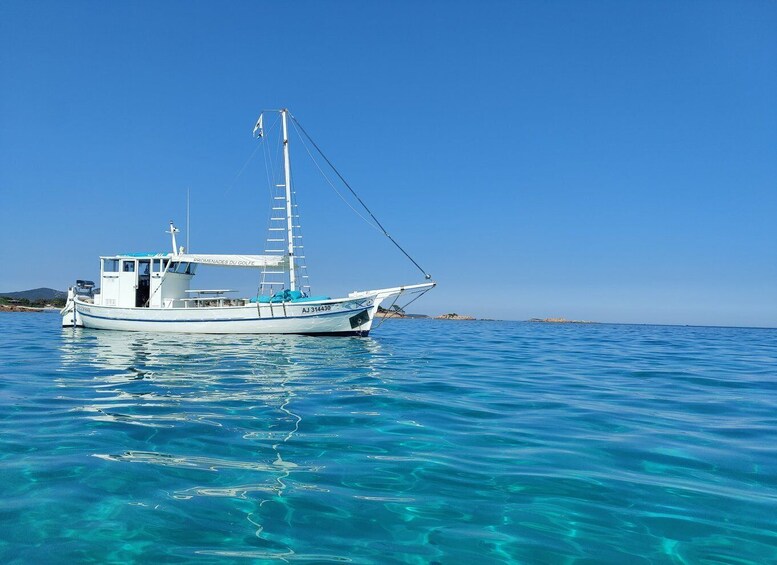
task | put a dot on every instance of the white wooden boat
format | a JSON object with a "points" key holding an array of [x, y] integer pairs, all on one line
{"points": [[152, 291]]}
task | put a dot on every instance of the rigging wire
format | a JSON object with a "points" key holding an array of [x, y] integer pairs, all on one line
{"points": [[272, 179], [270, 174], [323, 174], [294, 120], [300, 261], [420, 294], [231, 185]]}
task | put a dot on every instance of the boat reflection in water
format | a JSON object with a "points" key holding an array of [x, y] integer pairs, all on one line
{"points": [[203, 356], [219, 416]]}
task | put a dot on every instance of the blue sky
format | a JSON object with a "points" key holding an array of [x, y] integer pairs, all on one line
{"points": [[607, 161]]}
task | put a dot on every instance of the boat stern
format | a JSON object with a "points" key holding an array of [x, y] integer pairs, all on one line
{"points": [[70, 316]]}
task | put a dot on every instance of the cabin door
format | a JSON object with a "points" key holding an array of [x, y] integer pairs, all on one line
{"points": [[143, 291]]}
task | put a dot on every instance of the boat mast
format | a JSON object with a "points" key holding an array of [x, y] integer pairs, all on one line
{"points": [[289, 217], [173, 230]]}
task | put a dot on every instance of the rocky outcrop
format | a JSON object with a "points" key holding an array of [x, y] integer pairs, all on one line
{"points": [[389, 314], [453, 316], [15, 308]]}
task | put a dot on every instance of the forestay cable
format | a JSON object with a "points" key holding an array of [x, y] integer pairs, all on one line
{"points": [[345, 182], [331, 184]]}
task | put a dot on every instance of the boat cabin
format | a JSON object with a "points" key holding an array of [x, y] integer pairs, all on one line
{"points": [[162, 280], [134, 280]]}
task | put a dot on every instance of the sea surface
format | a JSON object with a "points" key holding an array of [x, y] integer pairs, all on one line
{"points": [[428, 442]]}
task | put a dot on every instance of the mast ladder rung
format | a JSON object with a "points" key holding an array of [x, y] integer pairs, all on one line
{"points": [[279, 197], [276, 240], [278, 219], [273, 273], [274, 251], [278, 208], [280, 185], [277, 229]]}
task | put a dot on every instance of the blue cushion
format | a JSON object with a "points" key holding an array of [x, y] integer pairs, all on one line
{"points": [[287, 295], [311, 298]]}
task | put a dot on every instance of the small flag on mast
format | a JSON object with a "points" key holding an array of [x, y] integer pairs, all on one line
{"points": [[258, 127]]}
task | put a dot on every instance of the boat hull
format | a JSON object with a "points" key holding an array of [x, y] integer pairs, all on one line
{"points": [[351, 316], [346, 317]]}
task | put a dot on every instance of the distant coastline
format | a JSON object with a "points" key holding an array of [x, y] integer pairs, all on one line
{"points": [[42, 299], [54, 304], [559, 321], [383, 313], [397, 312], [34, 300], [17, 308]]}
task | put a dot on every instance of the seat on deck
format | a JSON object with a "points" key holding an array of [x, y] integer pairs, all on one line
{"points": [[287, 295]]}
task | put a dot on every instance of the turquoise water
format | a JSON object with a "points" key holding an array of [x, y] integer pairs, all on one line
{"points": [[429, 442]]}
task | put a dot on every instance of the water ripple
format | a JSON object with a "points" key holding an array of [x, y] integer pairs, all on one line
{"points": [[432, 442]]}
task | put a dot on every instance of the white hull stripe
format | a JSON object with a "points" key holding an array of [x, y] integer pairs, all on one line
{"points": [[277, 318]]}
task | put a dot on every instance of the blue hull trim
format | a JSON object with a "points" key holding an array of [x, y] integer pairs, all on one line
{"points": [[335, 334], [343, 312]]}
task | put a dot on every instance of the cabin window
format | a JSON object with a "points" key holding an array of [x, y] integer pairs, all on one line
{"points": [[183, 268], [143, 267], [110, 265], [164, 264], [128, 266], [156, 265]]}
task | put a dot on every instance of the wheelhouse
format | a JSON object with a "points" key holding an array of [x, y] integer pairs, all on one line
{"points": [[135, 280]]}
